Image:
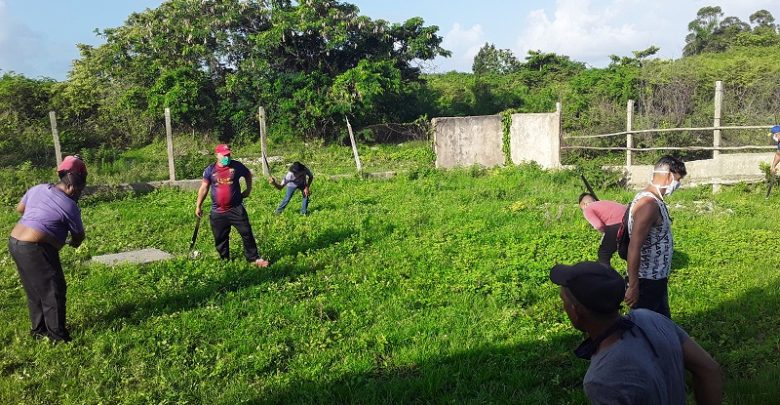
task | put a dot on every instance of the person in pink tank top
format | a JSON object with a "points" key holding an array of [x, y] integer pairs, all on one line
{"points": [[605, 217]]}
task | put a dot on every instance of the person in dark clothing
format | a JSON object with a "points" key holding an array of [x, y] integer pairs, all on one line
{"points": [[639, 358], [299, 177], [49, 213], [227, 208]]}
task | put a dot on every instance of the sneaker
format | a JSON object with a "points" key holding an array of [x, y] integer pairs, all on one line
{"points": [[261, 263]]}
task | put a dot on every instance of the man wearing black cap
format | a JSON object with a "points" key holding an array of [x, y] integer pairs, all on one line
{"points": [[640, 358]]}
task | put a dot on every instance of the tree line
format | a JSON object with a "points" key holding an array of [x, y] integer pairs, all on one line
{"points": [[310, 63]]}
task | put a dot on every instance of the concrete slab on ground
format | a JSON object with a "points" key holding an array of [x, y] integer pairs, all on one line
{"points": [[142, 256]]}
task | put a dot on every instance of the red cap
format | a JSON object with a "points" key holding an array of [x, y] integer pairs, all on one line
{"points": [[73, 164], [222, 149]]}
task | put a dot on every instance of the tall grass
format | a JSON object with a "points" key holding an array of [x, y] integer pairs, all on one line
{"points": [[428, 288]]}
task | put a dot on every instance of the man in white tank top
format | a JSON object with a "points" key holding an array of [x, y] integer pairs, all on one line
{"points": [[651, 246]]}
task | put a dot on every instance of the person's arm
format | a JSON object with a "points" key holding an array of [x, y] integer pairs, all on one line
{"points": [[202, 191], [20, 207], [309, 180], [248, 179], [645, 215], [77, 238], [75, 227], [775, 161], [707, 378], [272, 181]]}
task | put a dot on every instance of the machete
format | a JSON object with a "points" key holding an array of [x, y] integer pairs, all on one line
{"points": [[587, 185]]}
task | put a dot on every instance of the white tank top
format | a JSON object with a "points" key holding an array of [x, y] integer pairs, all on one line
{"points": [[655, 261]]}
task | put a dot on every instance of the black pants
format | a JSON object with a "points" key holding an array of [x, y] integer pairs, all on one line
{"points": [[654, 295], [608, 245], [39, 268], [220, 225]]}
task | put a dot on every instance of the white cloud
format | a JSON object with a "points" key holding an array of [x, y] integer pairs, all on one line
{"points": [[464, 45], [590, 31]]}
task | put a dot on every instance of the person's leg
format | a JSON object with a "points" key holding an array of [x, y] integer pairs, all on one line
{"points": [[26, 255], [288, 193], [664, 306], [54, 297], [220, 227], [304, 204], [776, 160], [653, 296], [240, 219], [608, 245]]}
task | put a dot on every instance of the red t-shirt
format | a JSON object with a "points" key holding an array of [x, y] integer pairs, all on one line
{"points": [[225, 187]]}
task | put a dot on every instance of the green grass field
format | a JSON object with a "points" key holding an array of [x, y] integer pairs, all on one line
{"points": [[427, 288]]}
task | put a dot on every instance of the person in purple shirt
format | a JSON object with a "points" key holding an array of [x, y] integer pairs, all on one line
{"points": [[605, 217], [227, 208], [49, 213]]}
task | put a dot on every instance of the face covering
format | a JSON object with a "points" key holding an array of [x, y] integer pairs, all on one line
{"points": [[670, 188], [224, 161]]}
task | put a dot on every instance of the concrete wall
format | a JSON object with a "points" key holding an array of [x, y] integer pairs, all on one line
{"points": [[725, 169], [536, 137], [466, 141]]}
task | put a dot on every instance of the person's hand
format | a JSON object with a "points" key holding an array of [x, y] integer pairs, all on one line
{"points": [[632, 295], [198, 212], [271, 180], [245, 194], [774, 171], [306, 191]]}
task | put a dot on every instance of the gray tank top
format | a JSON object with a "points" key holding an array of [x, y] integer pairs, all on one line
{"points": [[655, 262]]}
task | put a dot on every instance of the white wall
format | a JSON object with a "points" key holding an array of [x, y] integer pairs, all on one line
{"points": [[466, 141], [536, 137]]}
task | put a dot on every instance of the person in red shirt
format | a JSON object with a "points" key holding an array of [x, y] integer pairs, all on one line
{"points": [[227, 208], [605, 217]]}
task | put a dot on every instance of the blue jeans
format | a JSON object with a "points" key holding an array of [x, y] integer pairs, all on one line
{"points": [[288, 196]]}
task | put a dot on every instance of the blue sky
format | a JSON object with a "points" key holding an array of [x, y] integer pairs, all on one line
{"points": [[38, 37]]}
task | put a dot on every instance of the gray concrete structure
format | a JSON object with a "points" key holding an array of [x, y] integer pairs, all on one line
{"points": [[466, 141], [536, 138], [725, 169], [142, 256]]}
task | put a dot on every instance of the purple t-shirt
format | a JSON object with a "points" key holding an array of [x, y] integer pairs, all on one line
{"points": [[48, 209]]}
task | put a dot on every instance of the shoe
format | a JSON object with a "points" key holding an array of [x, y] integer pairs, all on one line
{"points": [[261, 263]]}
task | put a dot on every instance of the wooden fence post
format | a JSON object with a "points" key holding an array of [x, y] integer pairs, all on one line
{"points": [[716, 118], [56, 135], [629, 135], [169, 136], [263, 142], [556, 160], [354, 147]]}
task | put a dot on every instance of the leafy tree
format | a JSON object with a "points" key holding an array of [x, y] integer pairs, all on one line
{"points": [[214, 61], [710, 32], [702, 29], [490, 60], [763, 19]]}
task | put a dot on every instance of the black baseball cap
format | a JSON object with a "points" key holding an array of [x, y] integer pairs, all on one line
{"points": [[596, 286]]}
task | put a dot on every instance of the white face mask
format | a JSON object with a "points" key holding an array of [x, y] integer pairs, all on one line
{"points": [[668, 188]]}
